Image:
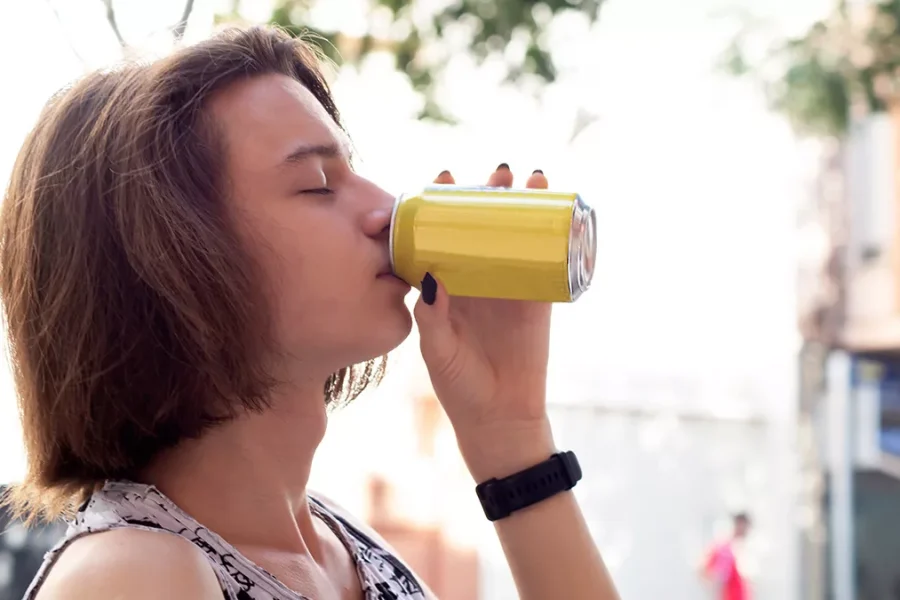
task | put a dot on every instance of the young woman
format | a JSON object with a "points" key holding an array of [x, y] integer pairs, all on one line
{"points": [[188, 266]]}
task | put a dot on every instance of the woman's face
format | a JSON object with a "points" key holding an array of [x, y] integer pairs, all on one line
{"points": [[318, 230]]}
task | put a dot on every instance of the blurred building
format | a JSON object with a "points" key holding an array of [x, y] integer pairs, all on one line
{"points": [[21, 553], [849, 314]]}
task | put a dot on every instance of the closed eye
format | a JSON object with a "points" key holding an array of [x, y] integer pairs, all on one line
{"points": [[318, 191]]}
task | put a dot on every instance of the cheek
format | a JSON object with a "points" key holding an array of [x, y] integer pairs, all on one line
{"points": [[314, 281], [312, 267], [315, 307]]}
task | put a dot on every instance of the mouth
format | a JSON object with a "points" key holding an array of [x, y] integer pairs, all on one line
{"points": [[385, 270], [389, 277]]}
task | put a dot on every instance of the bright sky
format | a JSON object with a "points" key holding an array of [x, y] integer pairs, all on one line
{"points": [[695, 184]]}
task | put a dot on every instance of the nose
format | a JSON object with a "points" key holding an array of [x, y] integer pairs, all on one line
{"points": [[377, 221], [377, 224]]}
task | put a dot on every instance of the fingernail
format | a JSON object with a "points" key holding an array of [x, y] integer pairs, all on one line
{"points": [[537, 172], [502, 166], [442, 173], [429, 289]]}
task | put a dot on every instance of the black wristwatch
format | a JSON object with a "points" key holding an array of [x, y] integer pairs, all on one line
{"points": [[502, 497]]}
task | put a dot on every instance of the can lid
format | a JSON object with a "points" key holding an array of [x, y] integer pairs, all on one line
{"points": [[582, 248]]}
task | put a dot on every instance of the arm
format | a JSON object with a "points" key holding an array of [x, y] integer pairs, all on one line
{"points": [[548, 545], [130, 564], [487, 359]]}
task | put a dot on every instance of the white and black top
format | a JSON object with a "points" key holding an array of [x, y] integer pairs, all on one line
{"points": [[126, 504]]}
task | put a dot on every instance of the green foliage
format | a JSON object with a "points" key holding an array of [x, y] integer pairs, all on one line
{"points": [[814, 91], [847, 63], [285, 14], [418, 43]]}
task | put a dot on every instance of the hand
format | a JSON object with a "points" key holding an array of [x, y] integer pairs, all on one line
{"points": [[487, 360]]}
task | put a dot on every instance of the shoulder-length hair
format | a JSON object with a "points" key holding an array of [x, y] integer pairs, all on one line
{"points": [[134, 317]]}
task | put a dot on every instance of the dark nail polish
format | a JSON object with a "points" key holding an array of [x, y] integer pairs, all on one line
{"points": [[429, 289], [502, 166], [537, 172]]}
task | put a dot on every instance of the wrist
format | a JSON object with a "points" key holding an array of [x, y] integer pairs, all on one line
{"points": [[504, 449]]}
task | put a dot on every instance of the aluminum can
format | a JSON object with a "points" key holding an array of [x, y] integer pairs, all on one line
{"points": [[491, 242]]}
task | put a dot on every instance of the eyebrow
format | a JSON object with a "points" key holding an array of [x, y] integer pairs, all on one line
{"points": [[306, 151]]}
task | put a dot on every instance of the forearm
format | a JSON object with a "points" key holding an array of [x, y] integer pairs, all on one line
{"points": [[548, 545]]}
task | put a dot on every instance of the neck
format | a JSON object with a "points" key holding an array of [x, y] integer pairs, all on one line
{"points": [[246, 480]]}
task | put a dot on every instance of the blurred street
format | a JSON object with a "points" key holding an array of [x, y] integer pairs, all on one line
{"points": [[737, 352]]}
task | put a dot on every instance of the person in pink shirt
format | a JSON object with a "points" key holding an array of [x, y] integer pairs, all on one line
{"points": [[721, 568]]}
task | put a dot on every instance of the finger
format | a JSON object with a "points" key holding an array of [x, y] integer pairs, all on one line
{"points": [[445, 178], [502, 177], [432, 313], [537, 181]]}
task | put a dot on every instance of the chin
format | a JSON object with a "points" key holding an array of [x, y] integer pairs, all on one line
{"points": [[384, 332], [396, 329]]}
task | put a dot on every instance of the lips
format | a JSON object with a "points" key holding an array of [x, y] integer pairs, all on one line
{"points": [[385, 269], [389, 276]]}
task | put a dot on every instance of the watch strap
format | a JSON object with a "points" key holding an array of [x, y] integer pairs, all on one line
{"points": [[502, 497]]}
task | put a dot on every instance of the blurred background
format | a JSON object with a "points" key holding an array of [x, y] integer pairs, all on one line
{"points": [[739, 350]]}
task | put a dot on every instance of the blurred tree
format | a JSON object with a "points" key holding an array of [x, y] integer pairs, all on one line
{"points": [[177, 30], [423, 40], [848, 63]]}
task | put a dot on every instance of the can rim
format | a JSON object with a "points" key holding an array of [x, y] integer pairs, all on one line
{"points": [[582, 248], [391, 228]]}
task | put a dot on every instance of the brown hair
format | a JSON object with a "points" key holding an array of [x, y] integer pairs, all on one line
{"points": [[134, 318]]}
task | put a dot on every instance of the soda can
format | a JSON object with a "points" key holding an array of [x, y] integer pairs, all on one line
{"points": [[491, 242]]}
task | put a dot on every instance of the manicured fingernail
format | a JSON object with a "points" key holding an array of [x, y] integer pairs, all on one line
{"points": [[429, 289], [503, 166], [537, 172]]}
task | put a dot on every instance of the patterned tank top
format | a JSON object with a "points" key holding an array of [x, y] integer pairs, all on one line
{"points": [[126, 504]]}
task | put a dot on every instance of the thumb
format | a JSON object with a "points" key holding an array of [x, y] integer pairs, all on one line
{"points": [[432, 312]]}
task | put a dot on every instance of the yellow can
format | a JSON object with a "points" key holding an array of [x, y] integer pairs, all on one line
{"points": [[495, 242]]}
